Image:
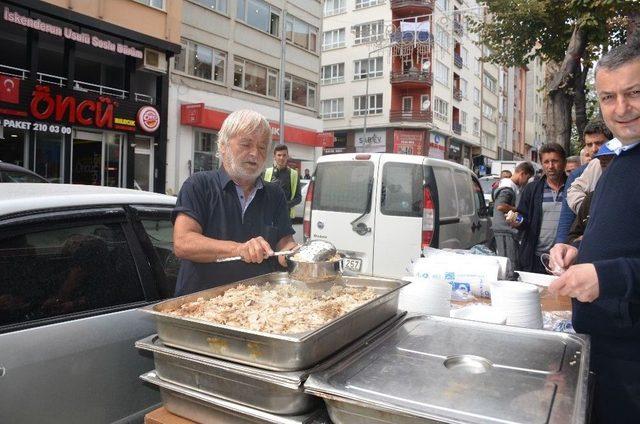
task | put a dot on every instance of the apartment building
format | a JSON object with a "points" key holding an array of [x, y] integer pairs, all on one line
{"points": [[230, 60], [535, 134], [85, 88]]}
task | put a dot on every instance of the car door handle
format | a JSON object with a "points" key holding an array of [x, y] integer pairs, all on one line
{"points": [[475, 226], [361, 228]]}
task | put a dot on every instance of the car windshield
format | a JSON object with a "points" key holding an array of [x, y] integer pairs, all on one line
{"points": [[21, 177]]}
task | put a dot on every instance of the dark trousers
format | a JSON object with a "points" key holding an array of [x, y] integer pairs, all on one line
{"points": [[617, 390]]}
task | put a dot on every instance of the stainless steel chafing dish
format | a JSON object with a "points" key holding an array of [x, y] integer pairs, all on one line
{"points": [[273, 351], [431, 369], [205, 409]]}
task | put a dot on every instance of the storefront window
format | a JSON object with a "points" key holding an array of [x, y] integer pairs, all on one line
{"points": [[204, 151], [86, 158], [12, 146], [113, 160], [14, 47], [48, 156], [143, 161]]}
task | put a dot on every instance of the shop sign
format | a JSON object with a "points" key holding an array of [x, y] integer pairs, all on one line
{"points": [[55, 109], [408, 142], [70, 34], [376, 141], [333, 150], [436, 146], [148, 119]]}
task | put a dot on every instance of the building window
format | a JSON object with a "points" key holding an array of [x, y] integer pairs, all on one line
{"points": [[488, 140], [299, 91], [201, 61], [369, 32], [463, 120], [301, 33], [362, 71], [217, 5], [156, 4], [476, 127], [441, 109], [442, 37], [255, 78], [442, 73], [490, 82], [443, 4], [360, 105], [332, 74], [260, 15], [488, 111], [334, 7], [463, 87], [361, 4], [333, 39], [464, 54], [425, 102], [476, 96], [204, 151], [478, 66], [332, 108]]}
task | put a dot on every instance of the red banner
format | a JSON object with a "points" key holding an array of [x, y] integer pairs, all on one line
{"points": [[9, 89], [408, 142]]}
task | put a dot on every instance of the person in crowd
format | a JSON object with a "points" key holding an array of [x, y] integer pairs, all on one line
{"points": [[586, 182], [307, 175], [573, 162], [539, 208], [505, 200], [505, 173], [287, 178], [595, 135], [584, 158], [231, 211], [603, 276], [580, 203]]}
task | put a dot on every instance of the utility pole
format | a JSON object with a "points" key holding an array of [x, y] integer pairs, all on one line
{"points": [[283, 49]]}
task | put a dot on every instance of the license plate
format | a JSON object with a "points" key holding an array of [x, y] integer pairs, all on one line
{"points": [[352, 264]]}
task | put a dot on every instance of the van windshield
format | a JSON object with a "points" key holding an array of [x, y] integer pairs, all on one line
{"points": [[342, 186]]}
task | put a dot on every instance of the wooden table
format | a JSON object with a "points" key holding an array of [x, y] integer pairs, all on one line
{"points": [[162, 416]]}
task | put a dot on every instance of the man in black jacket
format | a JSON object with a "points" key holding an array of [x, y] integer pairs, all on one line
{"points": [[539, 206]]}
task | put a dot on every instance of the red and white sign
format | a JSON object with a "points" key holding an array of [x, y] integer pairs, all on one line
{"points": [[148, 118], [408, 142], [9, 89]]}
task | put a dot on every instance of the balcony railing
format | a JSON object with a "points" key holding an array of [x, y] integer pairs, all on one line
{"points": [[422, 4], [139, 97], [412, 76], [457, 128], [457, 94], [458, 29], [100, 89], [51, 79], [410, 115], [457, 60]]}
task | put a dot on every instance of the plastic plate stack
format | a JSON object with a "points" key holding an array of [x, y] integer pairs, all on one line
{"points": [[520, 302]]}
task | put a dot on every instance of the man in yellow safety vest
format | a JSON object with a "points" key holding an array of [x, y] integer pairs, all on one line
{"points": [[288, 178]]}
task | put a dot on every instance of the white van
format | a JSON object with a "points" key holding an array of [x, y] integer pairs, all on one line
{"points": [[381, 209]]}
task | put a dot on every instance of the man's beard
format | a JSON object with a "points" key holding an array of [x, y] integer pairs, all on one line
{"points": [[236, 171]]}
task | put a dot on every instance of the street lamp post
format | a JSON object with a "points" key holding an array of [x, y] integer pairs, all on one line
{"points": [[283, 49]]}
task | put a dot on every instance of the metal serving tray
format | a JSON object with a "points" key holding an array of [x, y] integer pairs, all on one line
{"points": [[271, 391], [275, 351], [205, 409], [433, 369]]}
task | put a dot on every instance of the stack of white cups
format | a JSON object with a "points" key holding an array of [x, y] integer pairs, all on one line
{"points": [[427, 296], [520, 302]]}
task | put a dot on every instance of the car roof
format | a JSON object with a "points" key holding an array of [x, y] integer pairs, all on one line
{"points": [[5, 166], [399, 157], [16, 198]]}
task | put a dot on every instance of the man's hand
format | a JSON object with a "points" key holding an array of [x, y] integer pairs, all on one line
{"points": [[285, 243], [562, 255], [579, 281], [255, 250]]}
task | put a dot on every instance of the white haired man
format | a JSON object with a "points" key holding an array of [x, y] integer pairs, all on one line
{"points": [[603, 276], [231, 211]]}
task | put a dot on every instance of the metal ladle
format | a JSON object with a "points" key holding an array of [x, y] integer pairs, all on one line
{"points": [[316, 263], [315, 251]]}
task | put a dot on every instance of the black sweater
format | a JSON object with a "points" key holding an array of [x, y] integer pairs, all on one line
{"points": [[612, 243]]}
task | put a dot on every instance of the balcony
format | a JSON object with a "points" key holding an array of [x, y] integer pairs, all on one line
{"points": [[457, 128], [457, 60], [410, 116], [458, 29], [457, 94], [412, 7], [411, 78]]}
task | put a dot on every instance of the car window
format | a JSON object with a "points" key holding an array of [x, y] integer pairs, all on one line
{"points": [[465, 195], [60, 271], [19, 177], [478, 195], [402, 193], [343, 186], [447, 199], [487, 184], [160, 232]]}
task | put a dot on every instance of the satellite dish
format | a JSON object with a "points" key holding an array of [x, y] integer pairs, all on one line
{"points": [[426, 104], [426, 65]]}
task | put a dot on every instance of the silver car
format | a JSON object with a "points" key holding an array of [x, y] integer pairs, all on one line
{"points": [[75, 264]]}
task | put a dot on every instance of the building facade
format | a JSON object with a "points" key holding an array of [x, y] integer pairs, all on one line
{"points": [[230, 60], [535, 134], [85, 89]]}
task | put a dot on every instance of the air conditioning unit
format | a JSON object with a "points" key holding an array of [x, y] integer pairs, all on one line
{"points": [[155, 61]]}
